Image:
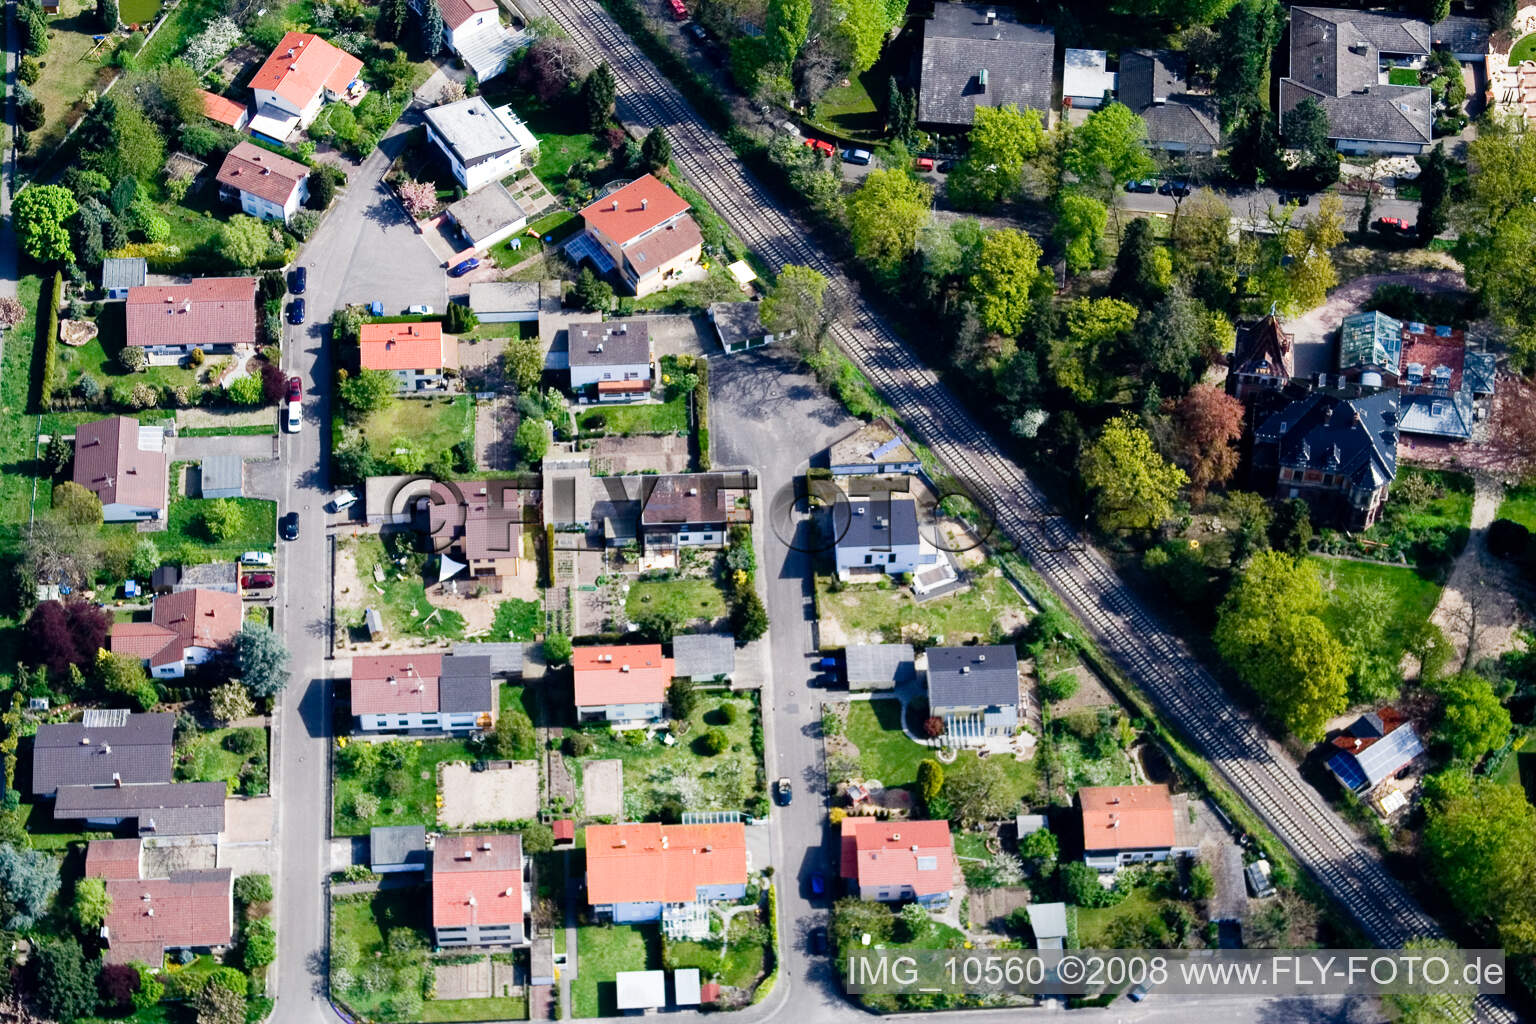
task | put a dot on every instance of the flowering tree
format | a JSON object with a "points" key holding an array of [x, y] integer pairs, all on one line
{"points": [[419, 197], [210, 45]]}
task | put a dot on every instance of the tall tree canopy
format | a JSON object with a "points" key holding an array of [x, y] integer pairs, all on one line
{"points": [[1472, 719], [40, 213], [1003, 140], [1133, 487], [1210, 424], [1007, 270], [885, 215], [1108, 149], [1480, 844]]}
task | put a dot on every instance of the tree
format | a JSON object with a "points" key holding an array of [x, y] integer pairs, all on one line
{"points": [[75, 505], [263, 659], [557, 648], [58, 454], [598, 90], [61, 634], [246, 390], [715, 742], [1007, 272], [1472, 721], [39, 213], [656, 150], [930, 780], [749, 619], [119, 984], [66, 981], [176, 97], [1479, 841], [230, 702], [1305, 127], [531, 440], [106, 15], [1210, 423], [1202, 882], [132, 358], [1248, 34], [258, 946], [433, 33], [1373, 675], [1291, 529], [1096, 331], [418, 197], [1040, 850], [346, 323], [682, 698], [28, 881], [1058, 687], [322, 189], [885, 215], [592, 292], [150, 990], [1429, 645], [1434, 196], [91, 906], [1003, 141], [222, 519], [797, 304], [1253, 155], [138, 147], [245, 241], [1143, 269], [367, 391], [1108, 149], [523, 363], [1178, 337], [1268, 630], [220, 1002], [785, 29], [123, 675], [1133, 486], [978, 791], [393, 17], [514, 735], [1080, 223]]}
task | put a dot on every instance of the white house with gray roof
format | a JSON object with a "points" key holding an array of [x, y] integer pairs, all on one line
{"points": [[1342, 60], [611, 361], [482, 144], [879, 535], [487, 216], [975, 690]]}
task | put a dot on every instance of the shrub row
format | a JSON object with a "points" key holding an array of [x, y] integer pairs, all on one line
{"points": [[48, 337], [701, 409]]}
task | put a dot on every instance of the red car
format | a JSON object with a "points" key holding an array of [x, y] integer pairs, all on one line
{"points": [[295, 389], [679, 11], [925, 163], [257, 581], [822, 146], [1392, 224]]}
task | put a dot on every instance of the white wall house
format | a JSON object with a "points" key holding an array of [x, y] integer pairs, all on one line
{"points": [[423, 693], [300, 76], [611, 362], [879, 535], [481, 143], [268, 186]]}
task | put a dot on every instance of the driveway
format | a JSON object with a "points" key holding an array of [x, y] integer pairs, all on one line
{"points": [[1315, 329], [245, 446], [683, 335]]}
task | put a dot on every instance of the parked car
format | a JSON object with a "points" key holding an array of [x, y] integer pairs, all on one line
{"points": [[295, 389], [828, 662], [1139, 992], [421, 309], [295, 418], [343, 501], [296, 312], [818, 942], [1396, 224], [300, 281], [288, 526], [783, 792], [818, 884], [679, 10], [1299, 198], [698, 33], [857, 156], [258, 581], [821, 146], [789, 128], [465, 267], [1173, 188], [925, 163], [1142, 185], [945, 166], [256, 558]]}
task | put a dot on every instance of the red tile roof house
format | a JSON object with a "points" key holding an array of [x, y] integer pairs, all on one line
{"points": [[1132, 825], [267, 186], [898, 860], [303, 74], [190, 910], [225, 111], [623, 686], [215, 314], [666, 873], [420, 692], [123, 464], [185, 629], [480, 890], [644, 231], [420, 355]]}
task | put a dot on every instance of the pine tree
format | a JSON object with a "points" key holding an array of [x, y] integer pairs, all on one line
{"points": [[393, 15], [1434, 196], [106, 11], [432, 30], [597, 94], [656, 151]]}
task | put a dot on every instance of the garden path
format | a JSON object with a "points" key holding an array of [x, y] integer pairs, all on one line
{"points": [[1479, 609]]}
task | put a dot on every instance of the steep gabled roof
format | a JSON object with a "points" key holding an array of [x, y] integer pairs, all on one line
{"points": [[148, 916], [970, 676], [412, 346], [302, 65], [200, 618], [261, 172], [1264, 349], [1351, 436], [1335, 56], [395, 684], [662, 863], [879, 854], [74, 754]]}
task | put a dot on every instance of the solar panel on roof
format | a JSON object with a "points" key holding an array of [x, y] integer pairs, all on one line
{"points": [[1348, 772], [1389, 753], [886, 448]]}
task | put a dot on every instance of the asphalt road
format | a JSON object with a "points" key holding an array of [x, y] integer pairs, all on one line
{"points": [[366, 249]]}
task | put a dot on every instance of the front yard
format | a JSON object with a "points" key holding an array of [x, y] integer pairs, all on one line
{"points": [[236, 756], [391, 783], [186, 540], [738, 964], [664, 781], [886, 753], [403, 603], [883, 612], [1519, 502], [409, 434], [601, 952]]}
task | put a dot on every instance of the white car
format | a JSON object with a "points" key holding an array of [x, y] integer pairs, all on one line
{"points": [[256, 558], [344, 501], [420, 310], [295, 420]]}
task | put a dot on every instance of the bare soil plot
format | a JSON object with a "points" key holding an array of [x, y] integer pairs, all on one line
{"points": [[990, 907], [463, 981], [602, 787], [497, 794], [666, 453]]}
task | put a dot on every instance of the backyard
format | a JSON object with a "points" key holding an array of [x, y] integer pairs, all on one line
{"points": [[1524, 49], [363, 928], [883, 612], [494, 1008], [679, 602], [886, 753], [69, 71], [1412, 594], [683, 776], [1425, 521], [1402, 76], [424, 426], [669, 417], [186, 541], [236, 756], [520, 700], [99, 358], [1519, 502], [556, 226], [392, 783], [401, 599], [517, 620], [601, 952]]}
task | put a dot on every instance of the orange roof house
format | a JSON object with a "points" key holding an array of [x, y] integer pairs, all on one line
{"points": [[225, 111], [185, 627], [477, 890], [898, 860], [414, 352], [643, 230], [648, 872], [624, 683], [642, 205], [303, 71], [190, 909], [1130, 824]]}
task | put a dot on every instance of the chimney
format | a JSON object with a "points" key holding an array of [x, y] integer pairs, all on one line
{"points": [[471, 899], [664, 841], [117, 780], [510, 890], [486, 846], [1114, 799], [615, 205], [1115, 823], [150, 912], [85, 741], [1357, 742], [693, 492], [914, 847], [895, 837], [965, 669], [981, 80], [981, 657], [145, 897], [991, 16], [645, 204], [623, 668]]}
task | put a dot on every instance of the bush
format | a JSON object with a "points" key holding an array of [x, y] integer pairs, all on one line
{"points": [[1508, 539], [578, 744], [259, 947], [1058, 687], [251, 889], [557, 649], [715, 742], [245, 741]]}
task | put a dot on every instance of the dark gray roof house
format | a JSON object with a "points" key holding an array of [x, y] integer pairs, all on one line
{"points": [[1467, 38], [615, 343], [1336, 451], [1154, 83], [465, 684], [487, 215], [221, 576], [966, 677], [1336, 59], [159, 809], [393, 848], [879, 666], [978, 55], [703, 655], [74, 754], [876, 523]]}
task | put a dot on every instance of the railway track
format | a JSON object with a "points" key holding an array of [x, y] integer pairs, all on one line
{"points": [[1157, 659]]}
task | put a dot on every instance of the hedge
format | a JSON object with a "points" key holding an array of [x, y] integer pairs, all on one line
{"points": [[48, 327], [701, 409]]}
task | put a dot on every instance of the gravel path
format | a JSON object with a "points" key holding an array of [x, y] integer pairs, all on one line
{"points": [[1479, 606]]}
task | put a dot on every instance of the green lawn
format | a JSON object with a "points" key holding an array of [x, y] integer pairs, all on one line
{"points": [[1402, 76], [669, 417], [849, 110], [17, 435], [48, 834], [886, 754], [1425, 520], [557, 227], [1519, 768], [717, 286], [681, 601], [362, 924], [416, 800], [655, 773], [520, 700], [517, 620], [601, 952], [428, 425], [559, 126], [881, 611], [403, 605], [180, 25], [185, 542], [1093, 924], [68, 72], [1524, 49], [208, 759], [742, 962], [99, 358], [138, 12], [496, 1008], [1413, 596], [1519, 501]]}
